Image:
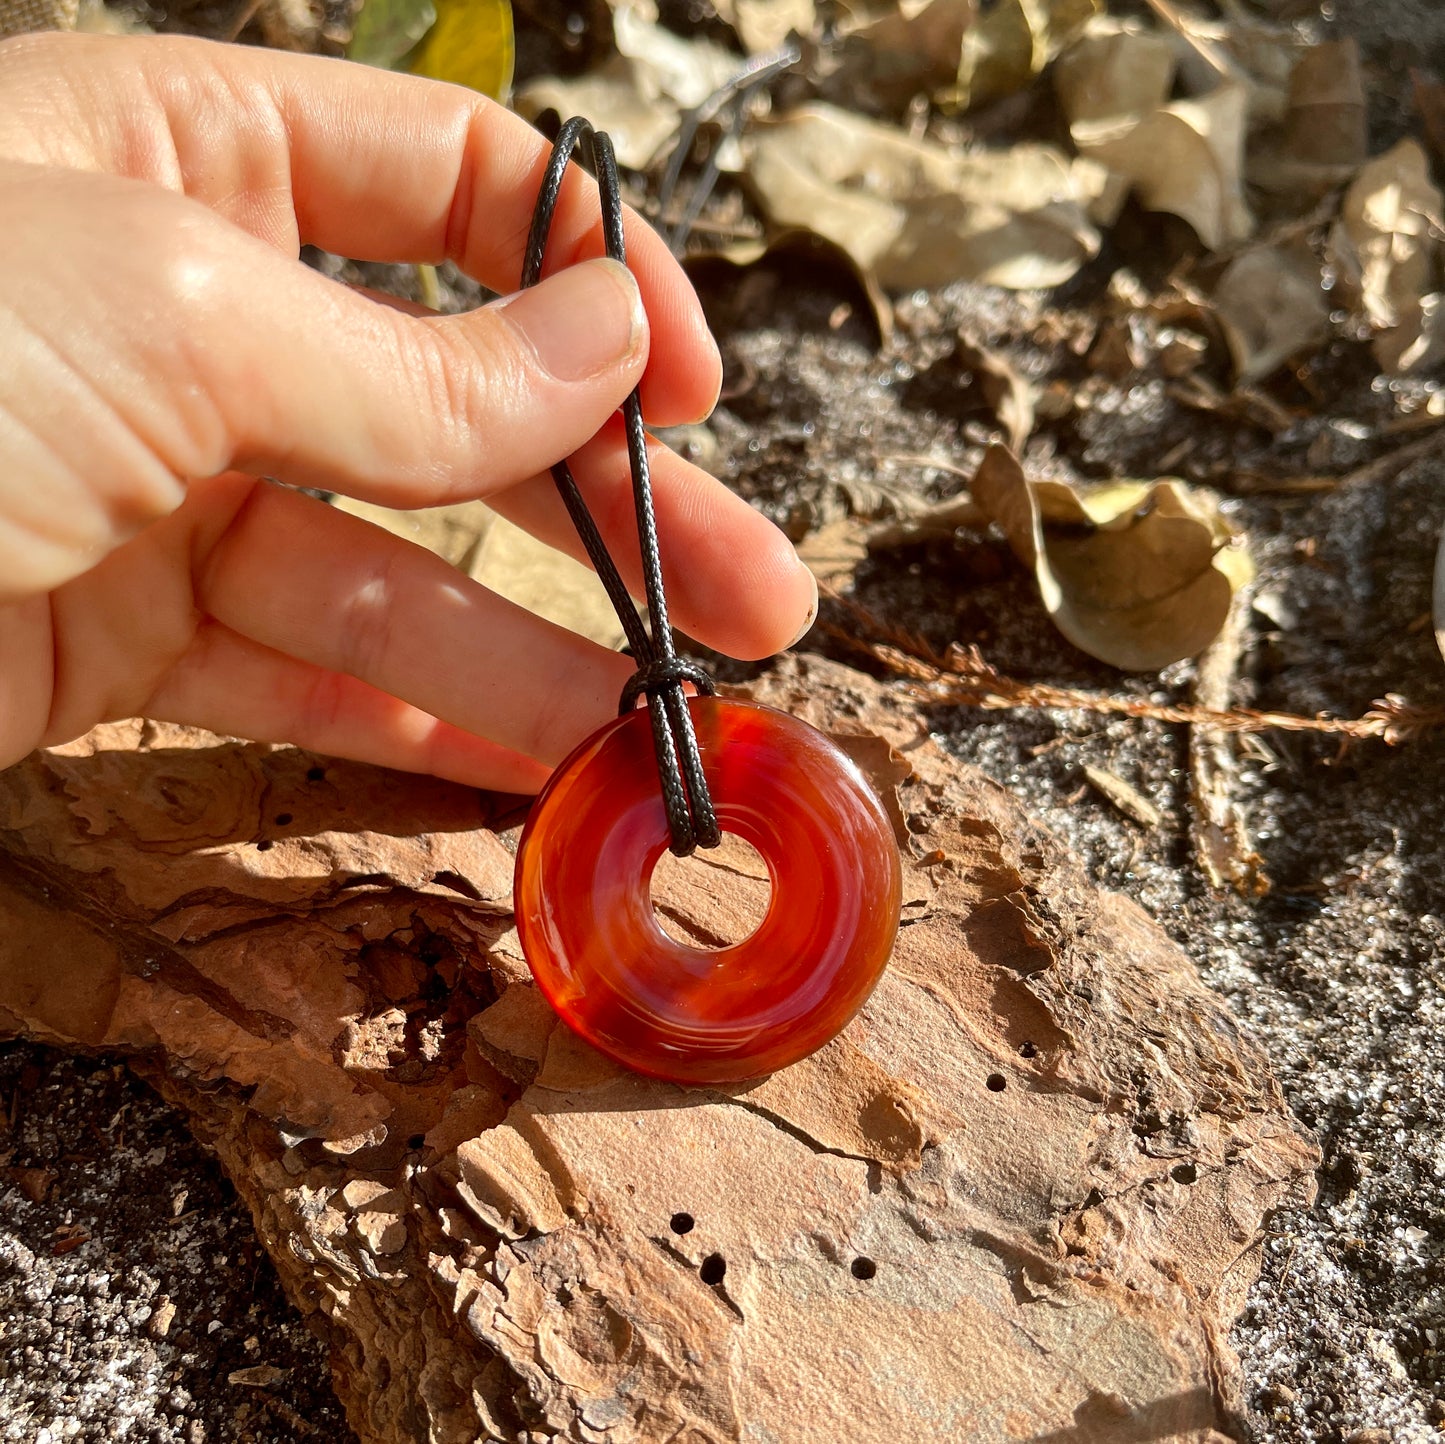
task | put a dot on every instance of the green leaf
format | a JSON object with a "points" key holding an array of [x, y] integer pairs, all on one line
{"points": [[470, 44], [386, 30]]}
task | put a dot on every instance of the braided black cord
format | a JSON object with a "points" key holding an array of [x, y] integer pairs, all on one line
{"points": [[661, 672]]}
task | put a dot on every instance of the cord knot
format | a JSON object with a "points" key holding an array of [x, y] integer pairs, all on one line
{"points": [[661, 673]]}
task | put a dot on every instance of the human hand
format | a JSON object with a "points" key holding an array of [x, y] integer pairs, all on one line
{"points": [[162, 348]]}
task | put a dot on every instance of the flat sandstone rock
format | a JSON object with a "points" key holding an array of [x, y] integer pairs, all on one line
{"points": [[1020, 1198]]}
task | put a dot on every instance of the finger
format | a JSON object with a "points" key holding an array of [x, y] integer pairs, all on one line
{"points": [[306, 580], [363, 162], [734, 581], [322, 385], [234, 686]]}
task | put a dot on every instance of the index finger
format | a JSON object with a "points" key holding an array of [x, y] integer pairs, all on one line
{"points": [[303, 150]]}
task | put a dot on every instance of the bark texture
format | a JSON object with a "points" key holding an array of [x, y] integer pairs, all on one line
{"points": [[1020, 1198]]}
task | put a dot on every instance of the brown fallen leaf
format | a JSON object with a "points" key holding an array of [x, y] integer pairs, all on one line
{"points": [[1033, 1173], [1386, 248], [917, 213], [1186, 158], [1322, 138], [891, 54], [763, 25], [1012, 41], [1271, 306], [1009, 393], [1137, 574]]}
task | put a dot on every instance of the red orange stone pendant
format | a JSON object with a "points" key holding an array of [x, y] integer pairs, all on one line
{"points": [[584, 906]]}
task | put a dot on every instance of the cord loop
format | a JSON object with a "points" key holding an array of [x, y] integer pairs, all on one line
{"points": [[691, 820]]}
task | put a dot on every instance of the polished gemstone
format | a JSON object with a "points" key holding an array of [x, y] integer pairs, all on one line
{"points": [[584, 905]]}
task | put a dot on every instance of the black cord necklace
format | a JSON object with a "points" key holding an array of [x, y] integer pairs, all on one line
{"points": [[660, 674]]}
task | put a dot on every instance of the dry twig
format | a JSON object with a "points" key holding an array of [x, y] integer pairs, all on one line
{"points": [[961, 676]]}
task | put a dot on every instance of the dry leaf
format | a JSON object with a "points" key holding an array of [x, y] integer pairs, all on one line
{"points": [[1010, 394], [1137, 574], [507, 560], [1430, 102], [1326, 118], [1032, 1175], [919, 214], [905, 51], [515, 565], [454, 533], [763, 25], [637, 96], [667, 68], [1113, 75], [1271, 307], [1184, 158], [1013, 41], [609, 97], [1322, 140], [833, 551], [1385, 245]]}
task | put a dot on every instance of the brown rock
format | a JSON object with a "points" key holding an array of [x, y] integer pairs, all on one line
{"points": [[1021, 1197]]}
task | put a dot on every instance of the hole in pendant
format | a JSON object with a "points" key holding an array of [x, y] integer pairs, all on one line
{"points": [[681, 1223], [714, 899], [714, 1267]]}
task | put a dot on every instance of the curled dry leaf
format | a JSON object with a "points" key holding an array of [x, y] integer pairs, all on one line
{"points": [[1271, 306], [1010, 394], [610, 98], [1183, 157], [906, 50], [919, 214], [1322, 140], [1136, 574], [639, 95], [1385, 245], [1013, 41], [763, 25]]}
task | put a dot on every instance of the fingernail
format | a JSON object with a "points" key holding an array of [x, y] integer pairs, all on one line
{"points": [[581, 322], [812, 614]]}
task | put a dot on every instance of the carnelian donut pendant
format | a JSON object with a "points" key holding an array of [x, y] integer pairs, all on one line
{"points": [[584, 905]]}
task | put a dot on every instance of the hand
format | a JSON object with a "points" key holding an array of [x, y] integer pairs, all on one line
{"points": [[162, 348]]}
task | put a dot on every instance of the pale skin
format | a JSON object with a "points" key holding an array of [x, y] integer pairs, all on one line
{"points": [[162, 349]]}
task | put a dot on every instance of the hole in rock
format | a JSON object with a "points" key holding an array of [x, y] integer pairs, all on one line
{"points": [[680, 1223], [714, 899], [315, 774], [282, 819], [863, 1268], [1028, 1050], [416, 1140], [714, 1266], [1184, 1173], [995, 1082], [264, 845]]}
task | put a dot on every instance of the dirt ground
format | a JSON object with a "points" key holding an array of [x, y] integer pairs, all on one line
{"points": [[1337, 970]]}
